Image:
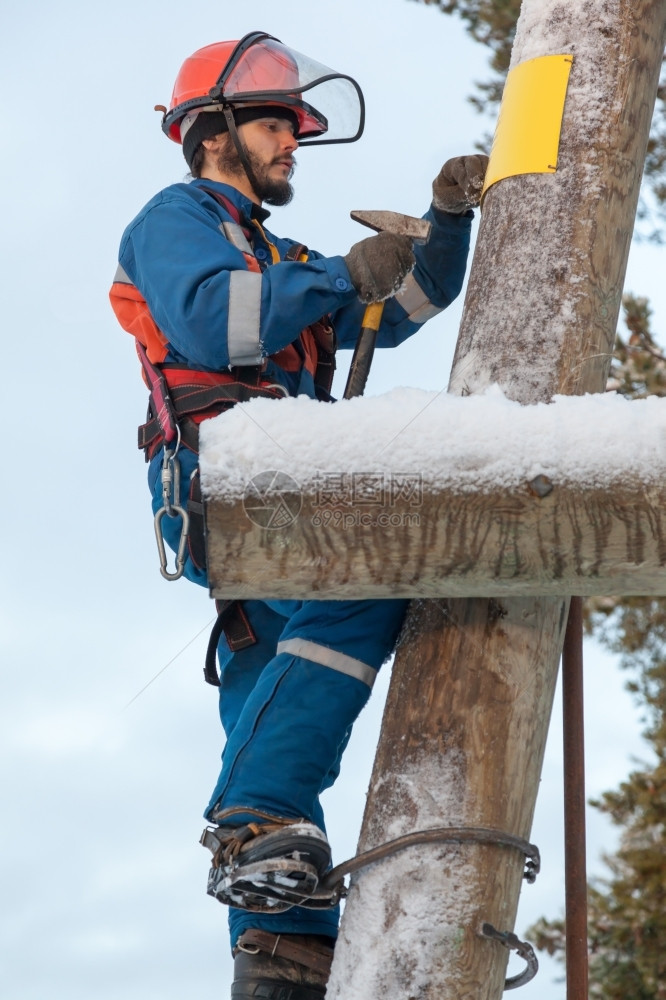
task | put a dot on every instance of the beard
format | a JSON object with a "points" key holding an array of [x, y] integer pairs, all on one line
{"points": [[273, 192]]}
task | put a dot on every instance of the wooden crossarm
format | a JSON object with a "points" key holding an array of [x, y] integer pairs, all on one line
{"points": [[446, 544]]}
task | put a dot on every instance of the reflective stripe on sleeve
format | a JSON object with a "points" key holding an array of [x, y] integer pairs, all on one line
{"points": [[122, 276], [234, 233], [326, 657], [415, 302], [244, 318]]}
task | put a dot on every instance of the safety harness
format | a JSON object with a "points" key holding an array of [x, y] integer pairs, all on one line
{"points": [[182, 397]]}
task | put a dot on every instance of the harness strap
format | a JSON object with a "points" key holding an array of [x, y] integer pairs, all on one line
{"points": [[159, 396], [233, 621], [299, 251], [190, 403], [196, 539], [324, 335], [305, 951], [227, 204]]}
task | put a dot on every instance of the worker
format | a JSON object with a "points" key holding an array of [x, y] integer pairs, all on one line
{"points": [[223, 312]]}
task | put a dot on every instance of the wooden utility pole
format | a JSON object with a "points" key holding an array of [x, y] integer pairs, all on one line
{"points": [[467, 715]]}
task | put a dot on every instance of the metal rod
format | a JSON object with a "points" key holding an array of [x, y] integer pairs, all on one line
{"points": [[575, 868]]}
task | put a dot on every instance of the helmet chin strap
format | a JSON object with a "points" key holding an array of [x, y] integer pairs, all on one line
{"points": [[240, 148]]}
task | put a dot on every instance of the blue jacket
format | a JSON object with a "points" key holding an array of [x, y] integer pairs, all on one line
{"points": [[215, 313]]}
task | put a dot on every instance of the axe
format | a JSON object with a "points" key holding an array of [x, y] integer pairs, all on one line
{"points": [[391, 222]]}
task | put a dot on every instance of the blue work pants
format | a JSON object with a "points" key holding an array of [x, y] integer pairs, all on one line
{"points": [[287, 706]]}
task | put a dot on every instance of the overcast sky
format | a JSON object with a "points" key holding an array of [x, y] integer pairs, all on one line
{"points": [[102, 876]]}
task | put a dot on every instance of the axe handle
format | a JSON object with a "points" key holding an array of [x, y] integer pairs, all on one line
{"points": [[364, 350]]}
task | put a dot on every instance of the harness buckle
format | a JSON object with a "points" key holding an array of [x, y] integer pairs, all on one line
{"points": [[281, 389]]}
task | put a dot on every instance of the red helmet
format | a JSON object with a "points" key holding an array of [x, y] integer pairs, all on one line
{"points": [[260, 70]]}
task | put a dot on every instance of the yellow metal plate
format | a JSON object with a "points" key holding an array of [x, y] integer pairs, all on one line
{"points": [[527, 137]]}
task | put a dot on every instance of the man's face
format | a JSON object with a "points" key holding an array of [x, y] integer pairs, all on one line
{"points": [[269, 144]]}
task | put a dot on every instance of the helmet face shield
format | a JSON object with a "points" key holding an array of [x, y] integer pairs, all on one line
{"points": [[260, 70], [329, 105]]}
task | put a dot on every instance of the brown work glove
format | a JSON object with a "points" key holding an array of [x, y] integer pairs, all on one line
{"points": [[458, 185], [378, 266]]}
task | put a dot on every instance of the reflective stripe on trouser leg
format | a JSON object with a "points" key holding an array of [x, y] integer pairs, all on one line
{"points": [[364, 630], [327, 657]]}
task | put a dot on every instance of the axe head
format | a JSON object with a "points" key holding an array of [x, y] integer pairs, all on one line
{"points": [[395, 222]]}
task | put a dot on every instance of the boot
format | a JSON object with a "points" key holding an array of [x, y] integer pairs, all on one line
{"points": [[268, 867], [281, 966]]}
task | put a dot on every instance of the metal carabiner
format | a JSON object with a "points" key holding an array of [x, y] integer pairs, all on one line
{"points": [[170, 477], [176, 511], [171, 507]]}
